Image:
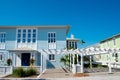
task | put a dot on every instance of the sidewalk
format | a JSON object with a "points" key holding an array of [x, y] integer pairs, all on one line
{"points": [[56, 73]]}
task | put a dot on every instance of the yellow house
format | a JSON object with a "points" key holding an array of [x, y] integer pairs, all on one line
{"points": [[111, 42]]}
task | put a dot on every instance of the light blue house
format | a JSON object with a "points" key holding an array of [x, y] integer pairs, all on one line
{"points": [[21, 43]]}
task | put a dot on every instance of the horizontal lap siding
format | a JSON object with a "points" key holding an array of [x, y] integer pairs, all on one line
{"points": [[43, 38]]}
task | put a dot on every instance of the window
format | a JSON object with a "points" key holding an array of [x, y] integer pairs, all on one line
{"points": [[52, 57], [1, 57], [19, 36], [29, 36], [52, 40], [34, 36], [71, 44], [26, 35], [2, 37], [51, 37]]}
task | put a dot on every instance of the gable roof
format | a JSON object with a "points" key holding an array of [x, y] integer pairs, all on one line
{"points": [[110, 38]]}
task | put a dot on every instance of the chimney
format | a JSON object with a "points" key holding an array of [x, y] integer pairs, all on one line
{"points": [[72, 36]]}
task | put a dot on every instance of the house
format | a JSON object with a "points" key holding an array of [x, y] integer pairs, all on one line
{"points": [[111, 42], [22, 43], [108, 43]]}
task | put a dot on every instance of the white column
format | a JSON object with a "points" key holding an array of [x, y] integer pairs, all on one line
{"points": [[14, 59], [90, 61], [81, 63], [41, 62], [110, 71], [77, 58], [70, 61], [73, 59]]}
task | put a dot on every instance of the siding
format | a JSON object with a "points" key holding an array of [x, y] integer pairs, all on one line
{"points": [[10, 38], [60, 38]]}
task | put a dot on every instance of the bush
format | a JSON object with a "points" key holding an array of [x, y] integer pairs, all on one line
{"points": [[30, 71], [20, 72]]}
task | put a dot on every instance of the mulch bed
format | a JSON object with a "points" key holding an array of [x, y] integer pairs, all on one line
{"points": [[81, 75], [11, 76]]}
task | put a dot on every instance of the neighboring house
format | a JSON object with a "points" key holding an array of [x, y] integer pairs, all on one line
{"points": [[111, 42], [21, 43]]}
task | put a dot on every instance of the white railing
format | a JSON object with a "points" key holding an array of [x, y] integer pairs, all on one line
{"points": [[5, 69]]}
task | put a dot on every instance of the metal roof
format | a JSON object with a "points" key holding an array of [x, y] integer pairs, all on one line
{"points": [[110, 38], [47, 26]]}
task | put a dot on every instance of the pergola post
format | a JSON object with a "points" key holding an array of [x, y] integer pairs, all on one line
{"points": [[70, 61], [90, 61], [81, 63], [77, 58], [110, 70]]}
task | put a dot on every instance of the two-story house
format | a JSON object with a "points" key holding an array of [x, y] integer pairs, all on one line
{"points": [[21, 43]]}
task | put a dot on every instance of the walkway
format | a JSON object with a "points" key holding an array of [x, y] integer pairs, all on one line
{"points": [[56, 73]]}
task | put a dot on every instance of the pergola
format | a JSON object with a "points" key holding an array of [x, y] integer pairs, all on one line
{"points": [[82, 53]]}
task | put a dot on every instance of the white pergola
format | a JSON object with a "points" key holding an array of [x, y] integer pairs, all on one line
{"points": [[82, 53]]}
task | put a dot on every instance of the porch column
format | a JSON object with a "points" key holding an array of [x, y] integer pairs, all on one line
{"points": [[41, 62], [14, 55], [81, 63]]}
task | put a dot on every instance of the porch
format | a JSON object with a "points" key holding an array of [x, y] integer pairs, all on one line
{"points": [[23, 56]]}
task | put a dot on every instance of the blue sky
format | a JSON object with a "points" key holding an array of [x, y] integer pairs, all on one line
{"points": [[90, 20]]}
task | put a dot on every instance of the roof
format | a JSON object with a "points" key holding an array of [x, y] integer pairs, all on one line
{"points": [[110, 38], [72, 39], [21, 49], [48, 26]]}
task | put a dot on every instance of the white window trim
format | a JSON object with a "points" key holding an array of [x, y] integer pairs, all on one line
{"points": [[3, 44], [2, 57], [52, 57], [26, 34], [52, 43]]}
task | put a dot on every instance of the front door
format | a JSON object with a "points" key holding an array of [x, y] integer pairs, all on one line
{"points": [[25, 59]]}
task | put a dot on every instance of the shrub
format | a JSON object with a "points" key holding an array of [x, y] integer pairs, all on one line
{"points": [[20, 72], [30, 71]]}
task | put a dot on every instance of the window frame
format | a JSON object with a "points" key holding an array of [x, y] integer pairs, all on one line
{"points": [[51, 57], [28, 35], [2, 37], [1, 57], [51, 40]]}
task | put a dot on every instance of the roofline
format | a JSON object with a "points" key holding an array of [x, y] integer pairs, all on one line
{"points": [[72, 39], [47, 26], [107, 39]]}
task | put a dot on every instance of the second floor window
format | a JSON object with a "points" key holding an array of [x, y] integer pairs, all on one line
{"points": [[52, 40], [26, 35], [2, 37], [51, 37]]}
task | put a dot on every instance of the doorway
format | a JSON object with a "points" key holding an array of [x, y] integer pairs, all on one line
{"points": [[25, 59]]}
